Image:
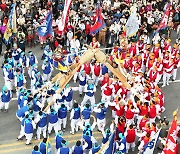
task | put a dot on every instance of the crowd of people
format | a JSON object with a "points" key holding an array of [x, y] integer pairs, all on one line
{"points": [[142, 59]]}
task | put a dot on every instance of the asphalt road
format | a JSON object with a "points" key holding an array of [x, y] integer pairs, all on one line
{"points": [[10, 126]]}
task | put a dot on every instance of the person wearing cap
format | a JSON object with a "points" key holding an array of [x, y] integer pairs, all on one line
{"points": [[64, 149], [107, 89], [5, 98], [89, 90], [59, 138], [53, 121], [62, 116], [120, 145], [31, 60], [41, 121], [106, 136], [16, 53], [86, 113], [19, 81], [43, 146], [36, 150], [89, 139], [83, 77], [47, 69], [33, 75], [68, 94], [29, 127], [133, 49], [23, 59], [75, 117], [78, 148], [157, 51], [143, 142], [96, 147], [100, 111], [47, 53], [176, 61], [87, 68], [153, 74], [130, 135], [9, 77], [20, 96]]}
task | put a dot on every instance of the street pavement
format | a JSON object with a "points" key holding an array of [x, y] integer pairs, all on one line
{"points": [[10, 125]]}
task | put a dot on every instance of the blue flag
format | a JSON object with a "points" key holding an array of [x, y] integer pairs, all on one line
{"points": [[46, 28]]}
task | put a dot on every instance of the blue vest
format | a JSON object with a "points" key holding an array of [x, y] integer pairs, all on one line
{"points": [[59, 138], [123, 141], [94, 150], [78, 150], [104, 140], [11, 62], [47, 69], [36, 152], [22, 101], [28, 127], [64, 150], [82, 83], [62, 113], [5, 97], [42, 148], [31, 60], [17, 56], [22, 122], [21, 111], [87, 129], [102, 114], [53, 118], [19, 98], [76, 114], [69, 96], [69, 60], [20, 82], [43, 121], [86, 113], [10, 74], [35, 106], [23, 60], [90, 94], [104, 70], [88, 140]]}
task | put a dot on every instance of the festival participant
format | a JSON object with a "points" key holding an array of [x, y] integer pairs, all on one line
{"points": [[96, 72], [94, 44], [5, 99]]}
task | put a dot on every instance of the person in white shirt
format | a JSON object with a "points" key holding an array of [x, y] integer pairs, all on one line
{"points": [[69, 37], [75, 44]]}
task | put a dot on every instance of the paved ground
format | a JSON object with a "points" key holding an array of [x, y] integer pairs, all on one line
{"points": [[10, 126]]}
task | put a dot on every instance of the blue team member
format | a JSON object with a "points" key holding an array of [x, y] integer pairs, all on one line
{"points": [[36, 150], [29, 127], [106, 136], [75, 118], [59, 139], [31, 60], [42, 124], [5, 99], [22, 133], [47, 69], [20, 114], [79, 148], [20, 97], [86, 113], [120, 146], [43, 146], [16, 53], [62, 116], [82, 81], [53, 121], [9, 77], [64, 149], [89, 90], [68, 93], [23, 60]]}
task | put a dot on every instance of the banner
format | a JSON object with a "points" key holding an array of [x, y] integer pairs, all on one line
{"points": [[132, 24], [46, 28], [11, 25], [64, 18], [171, 143], [99, 24], [149, 147]]}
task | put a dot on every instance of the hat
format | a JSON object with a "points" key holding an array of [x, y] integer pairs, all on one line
{"points": [[4, 88]]}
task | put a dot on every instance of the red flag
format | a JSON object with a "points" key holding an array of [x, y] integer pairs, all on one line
{"points": [[171, 143], [99, 24], [65, 15], [164, 20]]}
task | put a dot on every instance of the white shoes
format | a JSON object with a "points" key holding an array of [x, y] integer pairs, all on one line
{"points": [[163, 85]]}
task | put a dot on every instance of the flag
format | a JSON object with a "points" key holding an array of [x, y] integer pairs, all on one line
{"points": [[171, 143], [99, 24], [46, 28], [65, 14], [132, 24], [11, 25], [149, 147], [108, 148], [164, 21], [48, 147]]}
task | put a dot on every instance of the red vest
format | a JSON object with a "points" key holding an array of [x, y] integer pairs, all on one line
{"points": [[143, 111], [116, 87], [104, 81], [87, 68], [142, 123], [150, 64], [146, 140], [156, 52], [120, 112], [152, 112], [153, 76], [108, 91], [97, 70], [131, 136], [129, 114], [132, 50], [121, 127]]}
